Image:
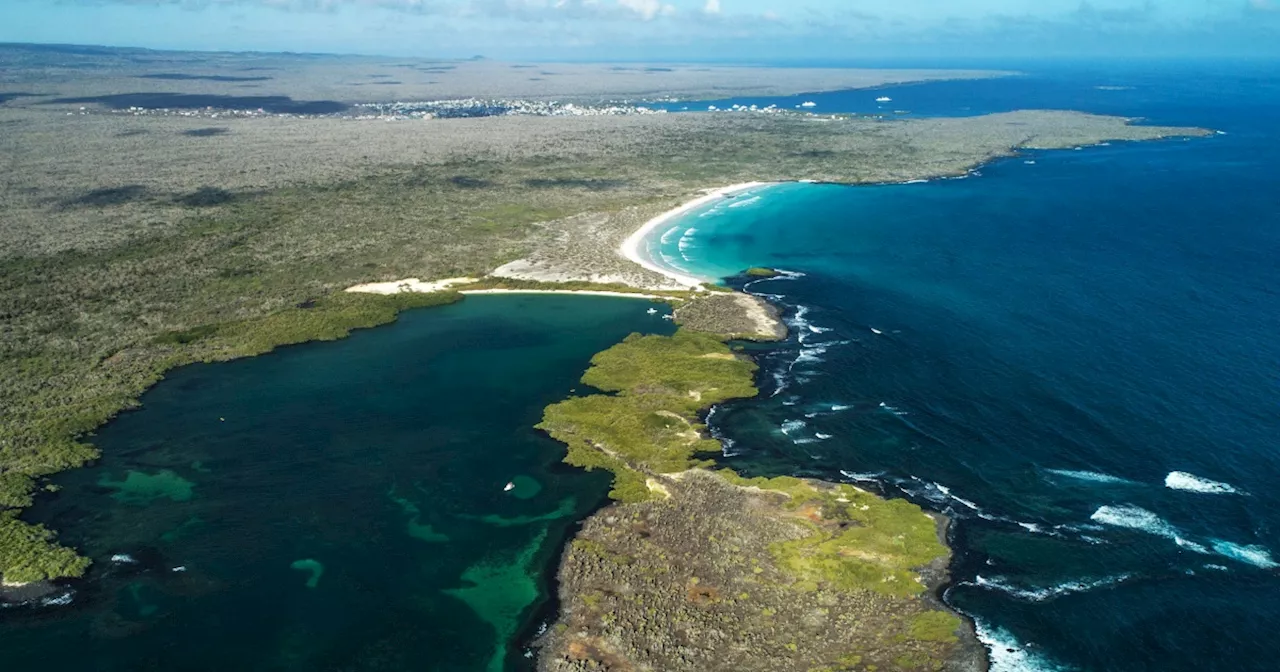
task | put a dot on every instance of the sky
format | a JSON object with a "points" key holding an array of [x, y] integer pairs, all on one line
{"points": [[664, 30]]}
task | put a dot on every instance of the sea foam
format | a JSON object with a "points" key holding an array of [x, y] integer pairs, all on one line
{"points": [[1091, 476], [1008, 655], [686, 243], [1043, 594], [1137, 518], [862, 477], [809, 355], [1181, 480], [791, 426], [1253, 555], [1134, 518]]}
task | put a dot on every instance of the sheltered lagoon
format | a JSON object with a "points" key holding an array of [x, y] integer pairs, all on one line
{"points": [[334, 506]]}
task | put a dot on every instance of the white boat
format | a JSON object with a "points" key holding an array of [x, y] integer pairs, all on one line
{"points": [[884, 99], [808, 103], [509, 486], [652, 311]]}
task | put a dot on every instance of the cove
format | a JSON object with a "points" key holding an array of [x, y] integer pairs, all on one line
{"points": [[334, 505]]}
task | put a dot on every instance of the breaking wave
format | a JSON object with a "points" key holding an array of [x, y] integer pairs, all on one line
{"points": [[1137, 518], [791, 426], [810, 354], [1044, 594], [862, 477], [1181, 480], [1091, 476], [1007, 654], [1134, 518], [1253, 555], [686, 243]]}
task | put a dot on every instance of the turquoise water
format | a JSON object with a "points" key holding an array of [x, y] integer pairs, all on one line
{"points": [[334, 506], [1073, 353]]}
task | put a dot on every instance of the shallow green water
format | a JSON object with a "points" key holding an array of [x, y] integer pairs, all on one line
{"points": [[334, 506]]}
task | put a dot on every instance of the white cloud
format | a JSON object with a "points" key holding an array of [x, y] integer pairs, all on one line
{"points": [[647, 9], [712, 7]]}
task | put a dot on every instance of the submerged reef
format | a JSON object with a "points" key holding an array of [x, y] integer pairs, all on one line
{"points": [[313, 568]]}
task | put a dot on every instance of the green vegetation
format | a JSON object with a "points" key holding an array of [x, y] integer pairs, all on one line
{"points": [[649, 424], [30, 553], [823, 573], [935, 626], [762, 272], [715, 555], [860, 541]]}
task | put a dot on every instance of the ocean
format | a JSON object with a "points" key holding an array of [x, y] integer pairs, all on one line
{"points": [[1072, 353]]}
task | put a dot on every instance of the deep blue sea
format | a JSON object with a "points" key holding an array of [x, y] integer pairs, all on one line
{"points": [[1074, 353]]}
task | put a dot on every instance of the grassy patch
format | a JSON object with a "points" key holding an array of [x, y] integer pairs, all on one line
{"points": [[859, 542], [649, 424], [935, 626]]}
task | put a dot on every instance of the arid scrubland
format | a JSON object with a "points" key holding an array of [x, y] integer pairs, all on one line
{"points": [[131, 245], [81, 72]]}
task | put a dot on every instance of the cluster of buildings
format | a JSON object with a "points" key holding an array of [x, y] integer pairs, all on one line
{"points": [[202, 113], [475, 107]]}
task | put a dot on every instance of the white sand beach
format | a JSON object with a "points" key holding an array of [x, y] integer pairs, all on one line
{"points": [[410, 285], [417, 286], [632, 245], [630, 249], [580, 292]]}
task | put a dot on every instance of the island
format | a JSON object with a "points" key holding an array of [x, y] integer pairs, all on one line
{"points": [[144, 234]]}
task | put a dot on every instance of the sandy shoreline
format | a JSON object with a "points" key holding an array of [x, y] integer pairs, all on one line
{"points": [[409, 285], [630, 249], [579, 292], [631, 246], [417, 286]]}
